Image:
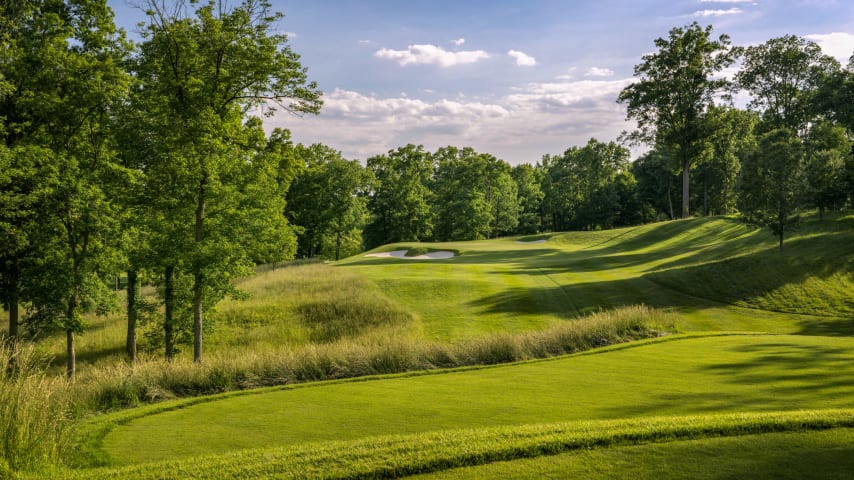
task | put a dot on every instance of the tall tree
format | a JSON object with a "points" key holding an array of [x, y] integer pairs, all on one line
{"points": [[783, 76], [730, 138], [835, 101], [205, 71], [400, 200], [772, 182], [676, 86], [827, 147], [61, 77]]}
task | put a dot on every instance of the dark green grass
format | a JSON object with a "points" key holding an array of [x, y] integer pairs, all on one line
{"points": [[825, 454]]}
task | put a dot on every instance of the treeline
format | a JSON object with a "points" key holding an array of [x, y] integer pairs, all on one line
{"points": [[147, 162], [791, 150]]}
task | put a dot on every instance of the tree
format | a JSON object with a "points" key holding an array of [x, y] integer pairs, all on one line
{"points": [[327, 201], [835, 101], [656, 182], [730, 137], [530, 197], [827, 147], [783, 75], [204, 73], [676, 87], [399, 202], [60, 79], [772, 181], [590, 185]]}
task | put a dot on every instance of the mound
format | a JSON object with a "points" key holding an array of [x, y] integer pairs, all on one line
{"points": [[532, 242]]}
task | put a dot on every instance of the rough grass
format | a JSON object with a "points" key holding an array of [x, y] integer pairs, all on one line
{"points": [[35, 411], [120, 385], [397, 456]]}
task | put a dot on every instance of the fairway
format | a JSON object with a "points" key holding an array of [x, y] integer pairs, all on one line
{"points": [[685, 376]]}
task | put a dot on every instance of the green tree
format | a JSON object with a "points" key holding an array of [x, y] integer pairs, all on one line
{"points": [[327, 201], [827, 147], [677, 85], [835, 101], [772, 182], [530, 197], [204, 73], [730, 138], [399, 202], [784, 75], [656, 182]]}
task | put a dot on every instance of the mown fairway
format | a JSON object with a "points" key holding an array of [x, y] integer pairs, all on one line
{"points": [[680, 377], [717, 275]]}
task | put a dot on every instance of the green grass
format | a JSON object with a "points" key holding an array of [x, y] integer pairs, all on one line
{"points": [[401, 455], [825, 454], [689, 376], [496, 301]]}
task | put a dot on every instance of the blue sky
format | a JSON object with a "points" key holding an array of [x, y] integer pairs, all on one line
{"points": [[517, 79]]}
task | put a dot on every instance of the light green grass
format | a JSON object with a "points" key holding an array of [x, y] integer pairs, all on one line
{"points": [[718, 273], [794, 455], [688, 376]]}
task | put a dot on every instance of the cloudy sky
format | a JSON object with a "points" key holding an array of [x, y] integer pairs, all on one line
{"points": [[517, 79]]}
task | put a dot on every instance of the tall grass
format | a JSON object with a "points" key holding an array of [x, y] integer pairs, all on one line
{"points": [[35, 411], [120, 385]]}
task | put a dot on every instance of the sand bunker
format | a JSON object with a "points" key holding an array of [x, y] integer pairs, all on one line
{"points": [[402, 254], [532, 242]]}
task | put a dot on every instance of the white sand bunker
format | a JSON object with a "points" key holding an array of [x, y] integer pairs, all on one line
{"points": [[402, 254], [532, 242]]}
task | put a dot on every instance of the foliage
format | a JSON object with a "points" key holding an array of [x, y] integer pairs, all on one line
{"points": [[772, 182], [327, 201], [783, 75], [400, 199], [530, 196], [676, 87]]}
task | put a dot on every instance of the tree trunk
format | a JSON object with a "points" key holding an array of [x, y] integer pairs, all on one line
{"points": [[820, 213], [169, 316], [198, 296], [71, 363], [132, 290], [13, 305], [781, 239], [705, 194], [337, 245], [726, 193], [670, 201], [198, 276], [71, 354], [686, 167]]}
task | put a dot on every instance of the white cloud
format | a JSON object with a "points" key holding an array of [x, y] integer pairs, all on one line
{"points": [[536, 118], [522, 59], [367, 42], [728, 1], [431, 55], [717, 13], [599, 72], [459, 41], [838, 45]]}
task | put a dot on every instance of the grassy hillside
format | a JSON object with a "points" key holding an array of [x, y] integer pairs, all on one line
{"points": [[496, 301]]}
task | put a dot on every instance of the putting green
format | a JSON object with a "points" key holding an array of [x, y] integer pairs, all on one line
{"points": [[720, 374]]}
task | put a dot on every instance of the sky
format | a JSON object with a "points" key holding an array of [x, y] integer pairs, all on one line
{"points": [[517, 79]]}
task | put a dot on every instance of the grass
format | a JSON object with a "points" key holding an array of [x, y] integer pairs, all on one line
{"points": [[496, 301], [401, 455], [688, 376], [826, 454]]}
